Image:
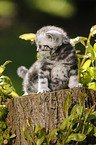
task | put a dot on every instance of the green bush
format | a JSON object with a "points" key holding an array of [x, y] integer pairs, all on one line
{"points": [[87, 62], [75, 128], [6, 91]]}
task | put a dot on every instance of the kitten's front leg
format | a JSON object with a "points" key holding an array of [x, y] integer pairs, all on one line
{"points": [[73, 80], [43, 81]]}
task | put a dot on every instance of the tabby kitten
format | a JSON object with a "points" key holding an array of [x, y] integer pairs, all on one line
{"points": [[57, 67]]}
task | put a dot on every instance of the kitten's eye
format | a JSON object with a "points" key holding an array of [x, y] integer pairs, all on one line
{"points": [[49, 36]]}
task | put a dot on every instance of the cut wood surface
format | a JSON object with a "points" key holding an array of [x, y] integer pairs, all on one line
{"points": [[45, 109]]}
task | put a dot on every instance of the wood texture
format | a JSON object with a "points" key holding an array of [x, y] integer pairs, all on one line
{"points": [[45, 109]]}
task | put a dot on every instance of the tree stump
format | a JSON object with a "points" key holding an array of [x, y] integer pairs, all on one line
{"points": [[45, 109]]}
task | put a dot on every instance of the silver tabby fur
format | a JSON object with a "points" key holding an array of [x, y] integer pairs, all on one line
{"points": [[56, 69]]}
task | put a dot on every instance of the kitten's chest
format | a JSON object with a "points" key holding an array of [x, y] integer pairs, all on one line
{"points": [[59, 71]]}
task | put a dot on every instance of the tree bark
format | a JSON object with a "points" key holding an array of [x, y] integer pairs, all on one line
{"points": [[45, 109]]}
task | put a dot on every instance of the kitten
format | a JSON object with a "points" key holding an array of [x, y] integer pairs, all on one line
{"points": [[57, 67]]}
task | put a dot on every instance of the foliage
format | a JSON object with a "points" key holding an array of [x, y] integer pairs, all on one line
{"points": [[6, 87], [87, 62], [6, 91], [74, 129]]}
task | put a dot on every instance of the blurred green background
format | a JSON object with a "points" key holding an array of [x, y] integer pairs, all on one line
{"points": [[76, 17]]}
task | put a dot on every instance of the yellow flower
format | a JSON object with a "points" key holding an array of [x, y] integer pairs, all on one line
{"points": [[28, 36]]}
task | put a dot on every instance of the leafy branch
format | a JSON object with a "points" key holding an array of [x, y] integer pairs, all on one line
{"points": [[6, 91], [87, 62]]}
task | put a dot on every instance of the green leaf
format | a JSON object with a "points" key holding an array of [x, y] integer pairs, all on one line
{"points": [[86, 64], [2, 68], [3, 111], [64, 124], [67, 103], [79, 126], [82, 97], [8, 89], [14, 94], [92, 86], [40, 140], [90, 71], [89, 48], [42, 132], [85, 80], [94, 73], [76, 137], [77, 109], [88, 112], [12, 136], [94, 47], [94, 131], [27, 135], [38, 127], [92, 116], [7, 86], [8, 131], [29, 124], [87, 128], [6, 62], [92, 54], [2, 125], [52, 133]]}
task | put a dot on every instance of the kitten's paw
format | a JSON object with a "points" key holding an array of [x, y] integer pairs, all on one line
{"points": [[73, 82], [75, 85], [25, 94], [79, 85], [43, 90]]}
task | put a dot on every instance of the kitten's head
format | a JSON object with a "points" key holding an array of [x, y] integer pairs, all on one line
{"points": [[49, 38]]}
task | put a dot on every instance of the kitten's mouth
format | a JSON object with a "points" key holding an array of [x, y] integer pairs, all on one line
{"points": [[43, 48], [44, 53]]}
